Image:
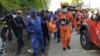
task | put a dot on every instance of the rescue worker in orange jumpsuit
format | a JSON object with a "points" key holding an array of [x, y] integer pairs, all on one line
{"points": [[65, 17]]}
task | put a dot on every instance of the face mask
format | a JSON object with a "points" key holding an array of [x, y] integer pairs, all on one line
{"points": [[14, 16], [28, 16], [64, 9]]}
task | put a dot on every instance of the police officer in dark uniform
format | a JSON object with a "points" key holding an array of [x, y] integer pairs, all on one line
{"points": [[7, 24], [18, 29], [9, 21], [4, 31], [44, 26]]}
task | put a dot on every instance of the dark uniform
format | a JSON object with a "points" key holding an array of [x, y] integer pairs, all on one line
{"points": [[4, 30], [44, 26], [7, 25], [18, 29], [9, 20]]}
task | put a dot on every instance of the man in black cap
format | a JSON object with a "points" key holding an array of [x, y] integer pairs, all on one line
{"points": [[18, 28], [44, 26]]}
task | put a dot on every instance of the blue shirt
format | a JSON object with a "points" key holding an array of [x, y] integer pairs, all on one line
{"points": [[34, 25]]}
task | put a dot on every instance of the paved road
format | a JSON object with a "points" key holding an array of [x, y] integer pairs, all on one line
{"points": [[76, 49], [55, 49], [0, 28]]}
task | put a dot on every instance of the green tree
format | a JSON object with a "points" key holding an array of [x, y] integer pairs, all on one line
{"points": [[37, 4], [10, 4], [24, 4]]}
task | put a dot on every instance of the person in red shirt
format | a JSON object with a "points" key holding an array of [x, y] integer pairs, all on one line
{"points": [[78, 17]]}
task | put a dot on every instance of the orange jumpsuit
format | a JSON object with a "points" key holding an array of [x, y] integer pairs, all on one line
{"points": [[65, 30]]}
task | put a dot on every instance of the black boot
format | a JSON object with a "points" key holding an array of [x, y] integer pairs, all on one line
{"points": [[34, 54], [64, 49], [58, 41], [43, 51], [68, 47]]}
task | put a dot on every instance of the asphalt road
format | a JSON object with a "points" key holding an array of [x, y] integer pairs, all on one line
{"points": [[76, 49], [55, 49]]}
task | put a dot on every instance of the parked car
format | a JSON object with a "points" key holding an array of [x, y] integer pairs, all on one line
{"points": [[90, 33]]}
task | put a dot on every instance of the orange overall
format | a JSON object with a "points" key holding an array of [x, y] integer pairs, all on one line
{"points": [[65, 30]]}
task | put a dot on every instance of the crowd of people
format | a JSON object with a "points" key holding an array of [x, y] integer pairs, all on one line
{"points": [[39, 25], [34, 23]]}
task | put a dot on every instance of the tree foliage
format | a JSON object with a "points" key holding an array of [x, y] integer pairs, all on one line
{"points": [[10, 4], [24, 4]]}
